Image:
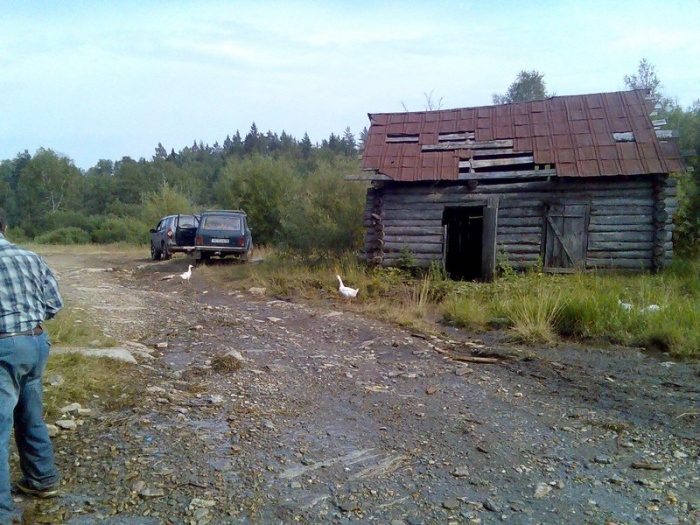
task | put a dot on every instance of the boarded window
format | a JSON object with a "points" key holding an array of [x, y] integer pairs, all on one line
{"points": [[566, 237]]}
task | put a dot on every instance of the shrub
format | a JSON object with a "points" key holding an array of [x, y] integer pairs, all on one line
{"points": [[122, 229], [70, 235]]}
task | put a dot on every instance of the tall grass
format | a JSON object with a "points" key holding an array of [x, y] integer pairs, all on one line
{"points": [[534, 307]]}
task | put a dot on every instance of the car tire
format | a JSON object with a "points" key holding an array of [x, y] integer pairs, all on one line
{"points": [[167, 254], [155, 253]]}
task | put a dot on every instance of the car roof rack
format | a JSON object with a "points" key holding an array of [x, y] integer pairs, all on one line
{"points": [[224, 211]]}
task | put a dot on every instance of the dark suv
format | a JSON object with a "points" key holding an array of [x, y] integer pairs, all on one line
{"points": [[174, 233], [222, 233]]}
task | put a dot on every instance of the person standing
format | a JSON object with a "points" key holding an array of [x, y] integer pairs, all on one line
{"points": [[29, 295]]}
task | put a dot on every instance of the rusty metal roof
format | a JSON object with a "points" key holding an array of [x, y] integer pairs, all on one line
{"points": [[602, 134]]}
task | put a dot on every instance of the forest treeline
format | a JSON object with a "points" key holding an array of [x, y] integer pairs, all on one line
{"points": [[292, 190]]}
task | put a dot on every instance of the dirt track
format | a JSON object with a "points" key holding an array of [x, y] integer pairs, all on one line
{"points": [[335, 418]]}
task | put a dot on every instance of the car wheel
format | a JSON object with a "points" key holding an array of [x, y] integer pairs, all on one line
{"points": [[155, 253], [167, 254]]}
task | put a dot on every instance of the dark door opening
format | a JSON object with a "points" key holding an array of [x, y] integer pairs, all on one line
{"points": [[464, 228]]}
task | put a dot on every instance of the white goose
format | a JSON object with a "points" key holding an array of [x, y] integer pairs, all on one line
{"points": [[346, 291], [186, 275]]}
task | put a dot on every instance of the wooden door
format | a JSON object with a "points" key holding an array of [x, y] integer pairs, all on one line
{"points": [[566, 237]]}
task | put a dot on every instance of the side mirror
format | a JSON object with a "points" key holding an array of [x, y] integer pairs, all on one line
{"points": [[152, 230]]}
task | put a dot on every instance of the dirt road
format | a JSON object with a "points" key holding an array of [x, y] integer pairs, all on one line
{"points": [[336, 418]]}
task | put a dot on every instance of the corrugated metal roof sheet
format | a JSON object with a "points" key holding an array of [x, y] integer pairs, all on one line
{"points": [[573, 133]]}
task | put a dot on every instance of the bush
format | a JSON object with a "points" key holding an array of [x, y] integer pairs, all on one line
{"points": [[70, 235], [122, 229]]}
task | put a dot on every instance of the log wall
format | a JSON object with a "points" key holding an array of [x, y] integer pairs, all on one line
{"points": [[630, 226]]}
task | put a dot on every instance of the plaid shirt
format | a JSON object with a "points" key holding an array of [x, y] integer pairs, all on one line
{"points": [[28, 289]]}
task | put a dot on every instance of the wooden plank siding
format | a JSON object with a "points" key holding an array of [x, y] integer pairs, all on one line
{"points": [[622, 228]]}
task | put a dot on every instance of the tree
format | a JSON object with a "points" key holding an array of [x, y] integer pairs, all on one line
{"points": [[47, 184], [687, 220], [161, 153], [645, 79], [430, 103], [305, 146], [528, 85]]}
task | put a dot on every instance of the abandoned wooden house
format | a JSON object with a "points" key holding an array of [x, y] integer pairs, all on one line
{"points": [[570, 182]]}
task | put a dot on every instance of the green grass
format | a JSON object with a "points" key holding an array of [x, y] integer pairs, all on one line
{"points": [[71, 327], [91, 381], [534, 307], [74, 378]]}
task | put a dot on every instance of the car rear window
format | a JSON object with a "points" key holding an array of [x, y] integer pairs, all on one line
{"points": [[187, 221], [218, 222]]}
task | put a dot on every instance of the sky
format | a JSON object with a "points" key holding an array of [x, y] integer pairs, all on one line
{"points": [[96, 80]]}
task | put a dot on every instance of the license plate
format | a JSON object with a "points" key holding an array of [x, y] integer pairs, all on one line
{"points": [[220, 241]]}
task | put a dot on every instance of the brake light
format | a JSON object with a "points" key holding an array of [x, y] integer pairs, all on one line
{"points": [[198, 240], [170, 233], [241, 241]]}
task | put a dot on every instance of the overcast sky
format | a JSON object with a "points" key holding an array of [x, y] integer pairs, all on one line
{"points": [[103, 80]]}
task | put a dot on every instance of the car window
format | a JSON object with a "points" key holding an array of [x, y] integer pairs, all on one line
{"points": [[218, 222], [187, 221]]}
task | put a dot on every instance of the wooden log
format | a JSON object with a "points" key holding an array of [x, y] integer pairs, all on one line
{"points": [[604, 220], [477, 359], [600, 209], [512, 249], [495, 175], [624, 254], [412, 230], [622, 236], [419, 222], [519, 221], [403, 214], [513, 212], [534, 238], [520, 230], [640, 264], [613, 246], [609, 228], [390, 246], [412, 240]]}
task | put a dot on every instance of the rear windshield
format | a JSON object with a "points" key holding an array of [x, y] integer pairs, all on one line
{"points": [[221, 222], [187, 221]]}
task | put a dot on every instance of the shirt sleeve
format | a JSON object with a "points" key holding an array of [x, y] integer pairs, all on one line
{"points": [[52, 297]]}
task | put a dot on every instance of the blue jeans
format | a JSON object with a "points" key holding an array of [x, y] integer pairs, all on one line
{"points": [[22, 363]]}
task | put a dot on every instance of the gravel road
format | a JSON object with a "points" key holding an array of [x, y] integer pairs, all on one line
{"points": [[336, 418]]}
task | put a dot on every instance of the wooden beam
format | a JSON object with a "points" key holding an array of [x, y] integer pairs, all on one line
{"points": [[503, 143], [367, 176], [443, 137], [666, 133], [488, 163], [402, 137], [628, 136], [524, 174]]}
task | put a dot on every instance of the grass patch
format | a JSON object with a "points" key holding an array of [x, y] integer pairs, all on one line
{"points": [[75, 378], [71, 327]]}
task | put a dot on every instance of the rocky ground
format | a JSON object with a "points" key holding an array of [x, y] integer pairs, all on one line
{"points": [[336, 418]]}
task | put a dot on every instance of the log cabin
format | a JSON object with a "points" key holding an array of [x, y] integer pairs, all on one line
{"points": [[567, 183]]}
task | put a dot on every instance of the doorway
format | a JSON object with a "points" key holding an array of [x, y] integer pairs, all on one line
{"points": [[463, 227]]}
